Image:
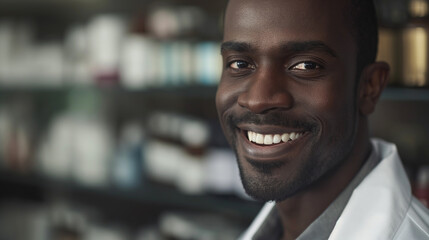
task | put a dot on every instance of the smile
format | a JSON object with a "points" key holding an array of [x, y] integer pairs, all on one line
{"points": [[271, 142], [272, 139]]}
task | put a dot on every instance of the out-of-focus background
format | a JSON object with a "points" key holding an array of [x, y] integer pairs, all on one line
{"points": [[108, 128]]}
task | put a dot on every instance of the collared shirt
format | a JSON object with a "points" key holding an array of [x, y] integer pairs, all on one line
{"points": [[321, 228]]}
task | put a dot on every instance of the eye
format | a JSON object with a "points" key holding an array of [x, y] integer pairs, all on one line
{"points": [[306, 66], [236, 65]]}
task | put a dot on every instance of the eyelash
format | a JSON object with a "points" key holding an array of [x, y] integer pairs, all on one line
{"points": [[304, 63], [248, 65], [293, 67]]}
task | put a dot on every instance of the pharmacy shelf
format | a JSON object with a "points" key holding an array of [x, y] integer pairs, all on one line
{"points": [[75, 9], [60, 10], [405, 94], [191, 90], [36, 186]]}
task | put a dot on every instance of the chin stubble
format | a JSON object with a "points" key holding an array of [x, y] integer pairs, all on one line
{"points": [[267, 187]]}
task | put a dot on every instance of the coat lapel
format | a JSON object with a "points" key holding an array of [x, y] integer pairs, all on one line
{"points": [[379, 204]]}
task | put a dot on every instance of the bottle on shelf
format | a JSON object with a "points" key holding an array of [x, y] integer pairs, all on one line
{"points": [[415, 45], [391, 16], [387, 51]]}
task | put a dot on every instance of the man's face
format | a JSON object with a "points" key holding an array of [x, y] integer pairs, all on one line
{"points": [[286, 100]]}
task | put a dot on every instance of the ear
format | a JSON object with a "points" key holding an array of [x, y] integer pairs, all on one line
{"points": [[373, 80]]}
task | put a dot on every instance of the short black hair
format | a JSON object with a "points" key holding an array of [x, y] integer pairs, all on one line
{"points": [[363, 19]]}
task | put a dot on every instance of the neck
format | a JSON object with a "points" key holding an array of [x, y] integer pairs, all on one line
{"points": [[300, 210]]}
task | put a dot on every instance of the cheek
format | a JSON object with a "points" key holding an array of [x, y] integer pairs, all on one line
{"points": [[225, 101], [333, 104], [336, 91], [221, 100], [226, 96]]}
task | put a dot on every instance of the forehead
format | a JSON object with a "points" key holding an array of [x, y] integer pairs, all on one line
{"points": [[271, 22]]}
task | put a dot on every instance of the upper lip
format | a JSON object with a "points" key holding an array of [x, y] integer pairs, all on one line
{"points": [[268, 129]]}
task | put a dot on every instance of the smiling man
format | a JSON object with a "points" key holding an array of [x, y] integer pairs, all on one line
{"points": [[298, 83]]}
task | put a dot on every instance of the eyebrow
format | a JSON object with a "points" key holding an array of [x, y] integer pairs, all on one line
{"points": [[235, 46], [293, 47]]}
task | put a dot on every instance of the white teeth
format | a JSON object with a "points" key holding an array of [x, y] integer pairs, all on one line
{"points": [[259, 138], [285, 137], [253, 137], [277, 139], [292, 136], [270, 139]]}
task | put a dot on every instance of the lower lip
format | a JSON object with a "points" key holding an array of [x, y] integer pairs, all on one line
{"points": [[273, 152]]}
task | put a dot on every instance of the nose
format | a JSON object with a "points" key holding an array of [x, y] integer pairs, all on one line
{"points": [[267, 91]]}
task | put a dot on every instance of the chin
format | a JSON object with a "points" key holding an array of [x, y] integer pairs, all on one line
{"points": [[278, 182]]}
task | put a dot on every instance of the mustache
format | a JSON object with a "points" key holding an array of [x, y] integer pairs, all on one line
{"points": [[274, 118]]}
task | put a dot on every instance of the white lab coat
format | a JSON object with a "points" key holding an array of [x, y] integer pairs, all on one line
{"points": [[380, 208]]}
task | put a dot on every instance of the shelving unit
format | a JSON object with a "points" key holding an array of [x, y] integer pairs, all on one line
{"points": [[39, 105], [149, 194], [405, 94]]}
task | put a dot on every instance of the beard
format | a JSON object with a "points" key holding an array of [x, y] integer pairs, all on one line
{"points": [[265, 187], [261, 184]]}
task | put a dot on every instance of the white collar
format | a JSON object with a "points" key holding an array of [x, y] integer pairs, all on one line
{"points": [[384, 194]]}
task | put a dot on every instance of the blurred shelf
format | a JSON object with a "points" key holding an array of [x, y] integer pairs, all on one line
{"points": [[405, 94], [193, 91], [75, 9], [61, 10], [148, 195]]}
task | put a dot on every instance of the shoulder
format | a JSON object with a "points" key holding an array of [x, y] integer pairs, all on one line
{"points": [[415, 224]]}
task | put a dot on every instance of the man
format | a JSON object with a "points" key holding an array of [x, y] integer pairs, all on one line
{"points": [[298, 84]]}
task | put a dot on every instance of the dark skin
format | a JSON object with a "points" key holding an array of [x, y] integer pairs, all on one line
{"points": [[290, 67]]}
